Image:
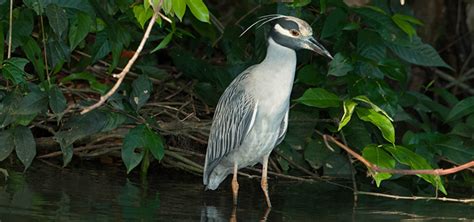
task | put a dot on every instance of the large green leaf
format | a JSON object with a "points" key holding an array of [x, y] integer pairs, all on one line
{"points": [[378, 156], [461, 109], [416, 162], [25, 145], [381, 121], [58, 51], [34, 54], [199, 10], [7, 144], [309, 75], [419, 53], [57, 101], [82, 126], [319, 97], [334, 23], [80, 26], [349, 107], [371, 45], [339, 66], [155, 144], [72, 6], [35, 102], [57, 19], [13, 69], [141, 91], [131, 154], [137, 139]]}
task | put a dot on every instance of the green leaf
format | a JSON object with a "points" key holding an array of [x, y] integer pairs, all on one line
{"points": [[339, 66], [142, 15], [408, 18], [461, 109], [319, 97], [80, 26], [404, 25], [155, 144], [35, 102], [57, 19], [25, 145], [370, 45], [163, 42], [199, 10], [2, 46], [179, 8], [82, 126], [57, 101], [34, 54], [141, 91], [134, 139], [144, 138], [167, 6], [90, 78], [416, 162], [309, 75], [419, 53], [349, 107], [366, 100], [381, 158], [379, 120], [334, 23], [7, 144], [58, 51], [13, 69]]}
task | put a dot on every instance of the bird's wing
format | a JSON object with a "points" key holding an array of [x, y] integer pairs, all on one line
{"points": [[283, 128], [234, 117]]}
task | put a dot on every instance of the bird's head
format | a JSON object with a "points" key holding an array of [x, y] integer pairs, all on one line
{"points": [[296, 34], [291, 32]]}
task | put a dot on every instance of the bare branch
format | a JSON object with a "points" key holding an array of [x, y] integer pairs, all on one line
{"points": [[377, 169], [121, 75]]}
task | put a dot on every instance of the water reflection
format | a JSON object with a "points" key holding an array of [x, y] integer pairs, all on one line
{"points": [[107, 195], [212, 214]]}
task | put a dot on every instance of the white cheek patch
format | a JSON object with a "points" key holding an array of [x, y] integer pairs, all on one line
{"points": [[283, 31]]}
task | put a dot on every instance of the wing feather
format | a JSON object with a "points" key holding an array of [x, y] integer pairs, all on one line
{"points": [[234, 117]]}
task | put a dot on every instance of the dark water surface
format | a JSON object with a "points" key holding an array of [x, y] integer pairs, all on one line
{"points": [[106, 194]]}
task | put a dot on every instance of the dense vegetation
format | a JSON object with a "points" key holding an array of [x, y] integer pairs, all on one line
{"points": [[63, 54]]}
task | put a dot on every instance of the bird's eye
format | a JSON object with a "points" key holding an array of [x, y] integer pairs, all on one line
{"points": [[294, 32]]}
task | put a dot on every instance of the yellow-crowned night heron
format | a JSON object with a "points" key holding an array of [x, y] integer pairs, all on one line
{"points": [[251, 117]]}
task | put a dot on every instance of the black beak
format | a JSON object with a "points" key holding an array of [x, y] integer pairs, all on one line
{"points": [[317, 47]]}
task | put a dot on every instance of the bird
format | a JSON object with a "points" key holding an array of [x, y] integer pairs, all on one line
{"points": [[251, 117]]}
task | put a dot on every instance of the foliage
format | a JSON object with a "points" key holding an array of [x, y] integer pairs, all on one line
{"points": [[361, 95]]}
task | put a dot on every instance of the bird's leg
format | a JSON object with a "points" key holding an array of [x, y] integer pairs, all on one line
{"points": [[264, 180], [235, 185]]}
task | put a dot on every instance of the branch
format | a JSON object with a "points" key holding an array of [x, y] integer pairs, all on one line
{"points": [[377, 169], [121, 75], [10, 28], [416, 197]]}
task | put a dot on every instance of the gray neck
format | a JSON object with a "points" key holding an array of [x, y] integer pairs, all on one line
{"points": [[280, 57]]}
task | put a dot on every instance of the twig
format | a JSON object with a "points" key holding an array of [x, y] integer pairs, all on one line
{"points": [[415, 197], [121, 75], [354, 182], [297, 166], [45, 54], [10, 28], [375, 168]]}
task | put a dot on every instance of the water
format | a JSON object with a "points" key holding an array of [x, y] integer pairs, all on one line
{"points": [[105, 194]]}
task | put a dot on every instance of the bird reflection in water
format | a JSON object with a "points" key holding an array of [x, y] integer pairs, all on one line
{"points": [[212, 214]]}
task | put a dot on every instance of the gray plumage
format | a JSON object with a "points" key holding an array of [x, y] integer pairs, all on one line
{"points": [[251, 117]]}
